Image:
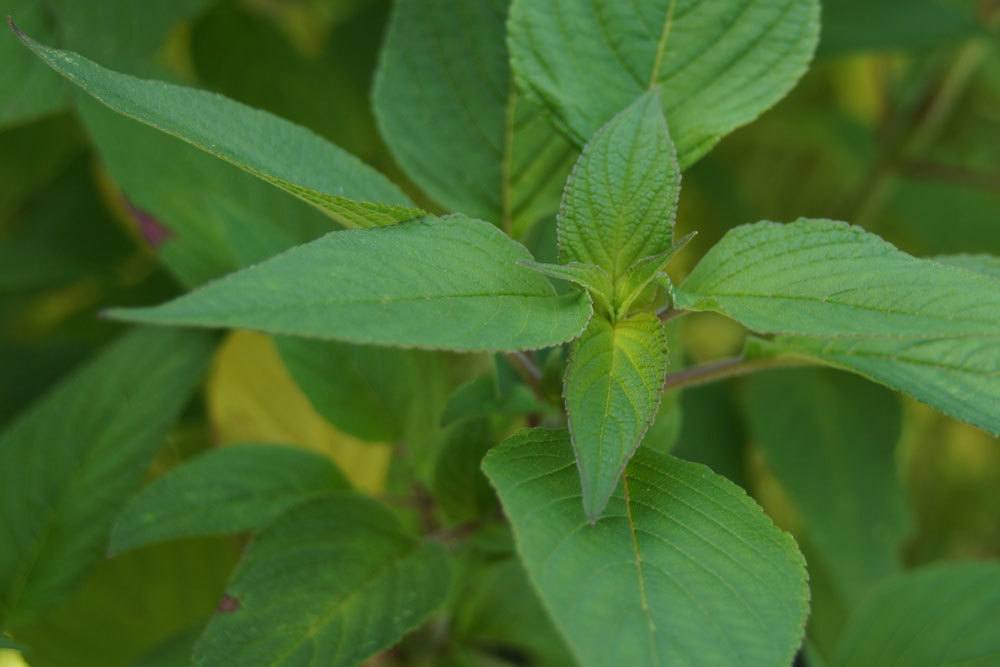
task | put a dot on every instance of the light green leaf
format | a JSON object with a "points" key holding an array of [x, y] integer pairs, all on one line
{"points": [[30, 90], [621, 200], [225, 490], [449, 112], [281, 153], [68, 463], [612, 389], [939, 616], [684, 569], [330, 583], [986, 264], [644, 272], [847, 298], [824, 435], [369, 392], [444, 283], [592, 278], [720, 64]]}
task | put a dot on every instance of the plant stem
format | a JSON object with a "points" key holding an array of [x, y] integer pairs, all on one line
{"points": [[723, 369], [526, 368], [671, 313]]}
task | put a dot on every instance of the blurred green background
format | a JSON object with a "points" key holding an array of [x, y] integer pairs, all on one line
{"points": [[896, 128]]}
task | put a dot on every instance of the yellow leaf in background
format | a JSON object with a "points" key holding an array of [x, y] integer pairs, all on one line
{"points": [[11, 658], [252, 398]]}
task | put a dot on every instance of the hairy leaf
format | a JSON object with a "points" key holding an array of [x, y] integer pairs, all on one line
{"points": [[281, 153], [828, 435], [444, 283], [936, 616], [68, 463], [449, 111], [719, 64], [683, 569], [847, 298], [621, 200], [612, 389], [222, 491], [331, 582]]}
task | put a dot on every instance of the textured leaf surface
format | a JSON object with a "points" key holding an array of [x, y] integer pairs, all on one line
{"points": [[612, 390], [444, 283], [940, 616], [719, 64], [826, 434], [281, 153], [67, 464], [222, 491], [621, 200], [331, 582], [848, 298], [683, 569], [448, 109]]}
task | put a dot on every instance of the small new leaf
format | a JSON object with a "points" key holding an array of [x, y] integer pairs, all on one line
{"points": [[642, 274]]}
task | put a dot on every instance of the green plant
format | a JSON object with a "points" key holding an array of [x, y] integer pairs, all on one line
{"points": [[534, 512]]}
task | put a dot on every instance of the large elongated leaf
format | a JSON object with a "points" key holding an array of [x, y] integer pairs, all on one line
{"points": [[621, 201], [613, 385], [450, 113], [683, 569], [68, 463], [719, 64], [847, 298], [943, 615], [446, 283], [826, 434], [225, 490], [281, 153], [330, 583]]}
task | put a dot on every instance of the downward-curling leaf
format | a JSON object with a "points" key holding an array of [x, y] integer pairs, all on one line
{"points": [[621, 200], [612, 390], [848, 298], [720, 64], [453, 119], [942, 615], [225, 490], [67, 465], [283, 154], [330, 583], [444, 283], [684, 569]]}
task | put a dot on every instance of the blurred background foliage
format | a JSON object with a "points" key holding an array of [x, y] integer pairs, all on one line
{"points": [[896, 128]]}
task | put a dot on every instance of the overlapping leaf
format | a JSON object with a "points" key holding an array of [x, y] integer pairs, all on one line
{"points": [[331, 582], [719, 64], [843, 296], [683, 569], [445, 283], [283, 154], [449, 111]]}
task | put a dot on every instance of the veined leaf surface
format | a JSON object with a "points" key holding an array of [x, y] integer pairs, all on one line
{"points": [[720, 64], [844, 296], [442, 283], [683, 568]]}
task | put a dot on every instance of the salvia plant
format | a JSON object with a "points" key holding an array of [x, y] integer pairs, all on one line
{"points": [[493, 344]]}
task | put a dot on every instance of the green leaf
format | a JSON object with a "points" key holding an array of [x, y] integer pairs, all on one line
{"points": [[933, 617], [847, 298], [279, 152], [443, 283], [68, 463], [449, 112], [486, 396], [592, 278], [613, 384], [331, 582], [683, 569], [887, 25], [459, 486], [720, 64], [225, 490], [987, 265], [824, 435], [621, 200], [130, 603], [369, 392], [30, 89]]}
